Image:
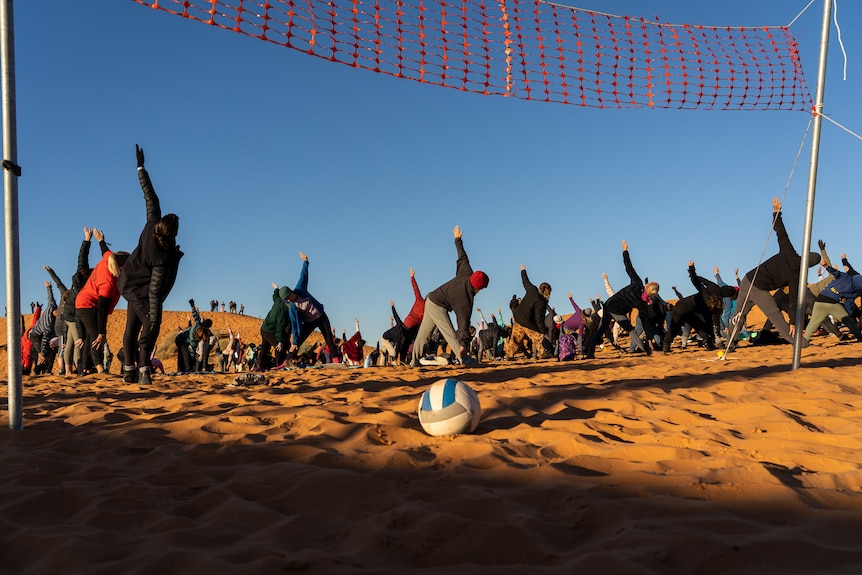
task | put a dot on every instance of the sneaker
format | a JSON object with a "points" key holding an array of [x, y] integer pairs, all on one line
{"points": [[144, 376], [130, 375]]}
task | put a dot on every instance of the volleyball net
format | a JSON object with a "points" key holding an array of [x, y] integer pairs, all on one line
{"points": [[531, 50]]}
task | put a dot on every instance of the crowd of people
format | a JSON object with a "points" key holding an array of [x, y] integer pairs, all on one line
{"points": [[70, 332]]}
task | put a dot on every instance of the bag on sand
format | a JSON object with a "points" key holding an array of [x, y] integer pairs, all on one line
{"points": [[566, 346]]}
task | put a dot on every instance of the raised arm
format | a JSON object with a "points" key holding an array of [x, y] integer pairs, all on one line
{"points": [[823, 255], [784, 243], [417, 295], [154, 210], [574, 305], [525, 279], [303, 274], [847, 266], [608, 288], [60, 285], [100, 237]]}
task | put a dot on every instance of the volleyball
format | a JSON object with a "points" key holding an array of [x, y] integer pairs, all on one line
{"points": [[449, 407]]}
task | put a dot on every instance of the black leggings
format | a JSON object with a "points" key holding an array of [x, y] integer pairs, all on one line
{"points": [[269, 342], [321, 323], [87, 320], [138, 324]]}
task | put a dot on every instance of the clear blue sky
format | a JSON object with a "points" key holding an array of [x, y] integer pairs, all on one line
{"points": [[264, 152]]}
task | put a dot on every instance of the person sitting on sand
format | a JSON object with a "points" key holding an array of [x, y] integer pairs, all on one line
{"points": [[455, 295]]}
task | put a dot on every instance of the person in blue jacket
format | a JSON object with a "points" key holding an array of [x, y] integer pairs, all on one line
{"points": [[836, 299], [307, 314]]}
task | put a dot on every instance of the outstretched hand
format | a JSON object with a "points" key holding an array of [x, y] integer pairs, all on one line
{"points": [[457, 232], [821, 244], [99, 235], [303, 256], [88, 233], [691, 263], [411, 272], [776, 205], [274, 285], [625, 246], [522, 267], [139, 153]]}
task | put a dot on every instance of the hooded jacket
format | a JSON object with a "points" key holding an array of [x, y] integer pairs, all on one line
{"points": [[151, 270], [277, 321], [845, 287]]}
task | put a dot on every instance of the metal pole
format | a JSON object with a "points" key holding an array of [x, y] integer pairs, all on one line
{"points": [[812, 183], [10, 185]]}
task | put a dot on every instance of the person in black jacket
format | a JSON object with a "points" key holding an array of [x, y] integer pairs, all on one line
{"points": [[700, 310], [635, 296], [147, 279], [530, 322], [455, 295], [778, 272]]}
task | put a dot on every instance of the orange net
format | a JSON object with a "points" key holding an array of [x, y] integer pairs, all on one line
{"points": [[530, 49]]}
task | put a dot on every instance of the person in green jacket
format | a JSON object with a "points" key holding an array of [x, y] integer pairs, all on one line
{"points": [[275, 330]]}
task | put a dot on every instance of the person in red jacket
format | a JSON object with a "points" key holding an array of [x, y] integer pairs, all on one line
{"points": [[455, 295], [94, 303], [399, 337]]}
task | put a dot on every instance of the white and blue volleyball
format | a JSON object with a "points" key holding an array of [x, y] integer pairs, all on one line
{"points": [[449, 407]]}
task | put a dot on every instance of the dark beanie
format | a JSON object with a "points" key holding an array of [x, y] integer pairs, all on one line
{"points": [[284, 292], [479, 280]]}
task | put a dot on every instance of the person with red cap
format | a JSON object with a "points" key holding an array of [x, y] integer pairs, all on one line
{"points": [[455, 295]]}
